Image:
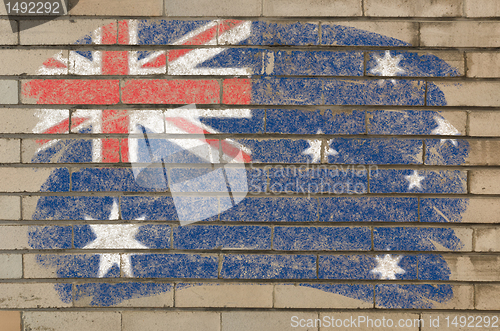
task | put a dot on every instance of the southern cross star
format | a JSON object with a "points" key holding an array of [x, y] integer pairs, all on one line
{"points": [[388, 65], [314, 149], [445, 128], [387, 268], [415, 180], [330, 151], [114, 236]]}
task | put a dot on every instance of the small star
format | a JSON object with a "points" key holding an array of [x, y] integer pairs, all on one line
{"points": [[314, 149], [115, 236], [415, 180], [445, 128], [387, 268], [388, 65]]}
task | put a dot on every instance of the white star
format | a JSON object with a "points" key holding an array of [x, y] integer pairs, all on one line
{"points": [[330, 151], [445, 128], [388, 65], [387, 268], [114, 236], [414, 180], [314, 149]]}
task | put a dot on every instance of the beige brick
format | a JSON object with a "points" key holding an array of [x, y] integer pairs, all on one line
{"points": [[10, 208], [476, 94], [487, 297], [401, 30], [45, 265], [171, 321], [7, 37], [487, 240], [463, 298], [479, 268], [485, 64], [456, 118], [483, 152], [473, 321], [29, 206], [460, 34], [484, 123], [414, 8], [9, 92], [454, 59], [484, 181], [10, 320], [480, 210], [34, 269], [264, 321], [29, 120], [58, 32], [72, 321], [465, 236], [27, 62], [10, 150], [23, 179], [213, 7], [39, 295], [14, 237], [224, 295], [31, 146], [160, 300], [312, 8], [368, 321], [482, 8], [295, 296], [12, 266], [118, 8]]}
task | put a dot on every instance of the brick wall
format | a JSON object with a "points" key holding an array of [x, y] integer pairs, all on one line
{"points": [[309, 88]]}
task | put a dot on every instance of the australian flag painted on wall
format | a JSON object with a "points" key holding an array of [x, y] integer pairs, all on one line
{"points": [[247, 159]]}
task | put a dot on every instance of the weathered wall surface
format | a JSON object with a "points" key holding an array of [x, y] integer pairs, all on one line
{"points": [[351, 205]]}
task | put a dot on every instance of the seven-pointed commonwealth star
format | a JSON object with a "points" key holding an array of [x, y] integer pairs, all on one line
{"points": [[415, 180], [445, 128], [314, 149], [388, 65], [387, 268], [119, 236]]}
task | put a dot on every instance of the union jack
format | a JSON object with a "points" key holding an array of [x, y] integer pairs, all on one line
{"points": [[180, 62]]}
